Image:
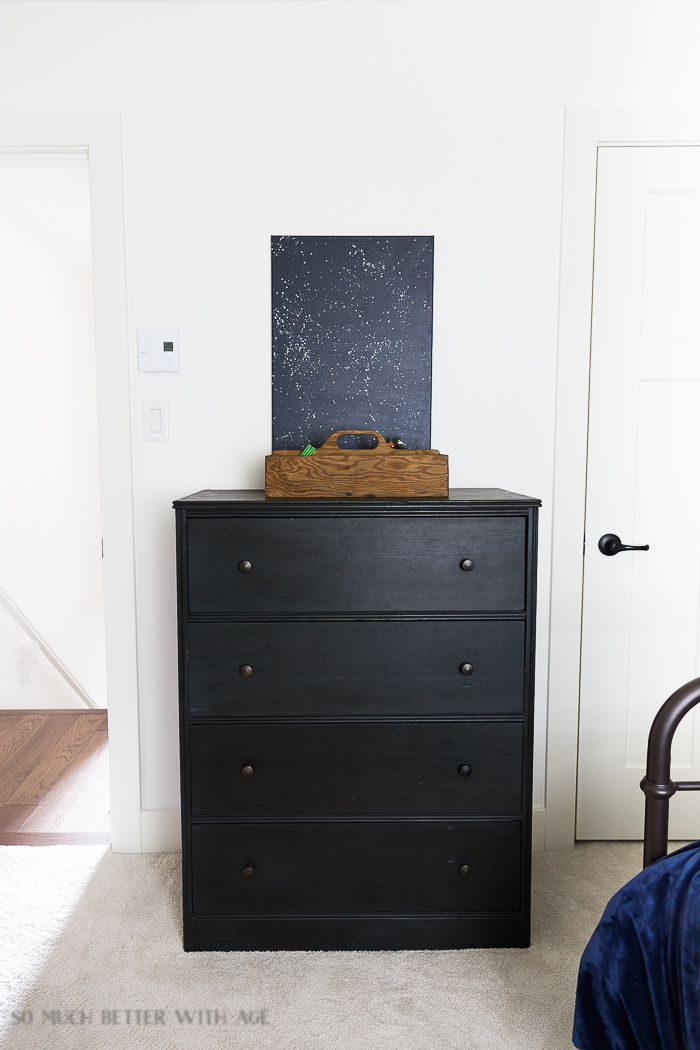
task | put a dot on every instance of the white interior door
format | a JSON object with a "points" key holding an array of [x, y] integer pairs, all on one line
{"points": [[641, 608]]}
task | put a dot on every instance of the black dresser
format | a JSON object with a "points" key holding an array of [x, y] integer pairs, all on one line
{"points": [[356, 682]]}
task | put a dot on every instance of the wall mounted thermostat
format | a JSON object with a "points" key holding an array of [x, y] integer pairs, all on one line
{"points": [[159, 349]]}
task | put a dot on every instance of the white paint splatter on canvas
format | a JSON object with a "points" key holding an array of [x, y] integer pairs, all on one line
{"points": [[352, 337]]}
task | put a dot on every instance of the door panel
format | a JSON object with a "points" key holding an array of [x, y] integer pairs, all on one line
{"points": [[640, 609], [663, 642]]}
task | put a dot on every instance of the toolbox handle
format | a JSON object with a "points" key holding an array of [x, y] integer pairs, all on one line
{"points": [[332, 444]]}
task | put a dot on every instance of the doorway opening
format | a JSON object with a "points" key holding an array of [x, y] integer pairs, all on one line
{"points": [[54, 774]]}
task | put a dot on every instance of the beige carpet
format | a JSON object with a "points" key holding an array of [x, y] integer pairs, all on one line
{"points": [[82, 929]]}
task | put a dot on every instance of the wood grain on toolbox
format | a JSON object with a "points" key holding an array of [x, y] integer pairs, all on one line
{"points": [[333, 472]]}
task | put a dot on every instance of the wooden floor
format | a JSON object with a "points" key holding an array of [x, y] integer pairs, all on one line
{"points": [[54, 778]]}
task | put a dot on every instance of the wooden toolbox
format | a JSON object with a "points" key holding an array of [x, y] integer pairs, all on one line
{"points": [[383, 472]]}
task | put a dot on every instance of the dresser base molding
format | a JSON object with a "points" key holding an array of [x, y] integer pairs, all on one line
{"points": [[384, 933]]}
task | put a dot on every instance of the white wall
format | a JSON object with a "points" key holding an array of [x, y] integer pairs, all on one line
{"points": [[246, 119], [50, 528]]}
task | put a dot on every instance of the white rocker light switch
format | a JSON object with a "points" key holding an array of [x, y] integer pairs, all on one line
{"points": [[155, 420]]}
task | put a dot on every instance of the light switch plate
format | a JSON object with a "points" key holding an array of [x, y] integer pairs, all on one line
{"points": [[159, 349], [155, 420]]}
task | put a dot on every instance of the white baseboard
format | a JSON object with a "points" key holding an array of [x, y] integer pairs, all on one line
{"points": [[160, 831], [539, 825]]}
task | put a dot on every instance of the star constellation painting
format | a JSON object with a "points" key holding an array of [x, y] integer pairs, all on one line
{"points": [[351, 338]]}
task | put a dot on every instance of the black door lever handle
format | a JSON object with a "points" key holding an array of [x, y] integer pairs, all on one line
{"points": [[610, 544]]}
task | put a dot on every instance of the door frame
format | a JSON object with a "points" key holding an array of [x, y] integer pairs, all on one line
{"points": [[100, 134], [584, 131]]}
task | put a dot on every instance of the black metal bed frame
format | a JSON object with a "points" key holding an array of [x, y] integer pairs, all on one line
{"points": [[657, 784]]}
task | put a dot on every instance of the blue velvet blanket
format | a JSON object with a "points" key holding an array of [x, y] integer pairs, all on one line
{"points": [[639, 978]]}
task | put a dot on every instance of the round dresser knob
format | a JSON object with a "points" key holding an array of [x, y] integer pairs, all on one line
{"points": [[466, 565], [463, 871], [247, 771], [465, 771], [244, 566], [248, 872], [246, 671], [464, 669]]}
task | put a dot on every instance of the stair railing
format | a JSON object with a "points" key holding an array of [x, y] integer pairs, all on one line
{"points": [[45, 648]]}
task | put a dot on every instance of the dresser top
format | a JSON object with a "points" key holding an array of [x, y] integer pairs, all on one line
{"points": [[482, 497]]}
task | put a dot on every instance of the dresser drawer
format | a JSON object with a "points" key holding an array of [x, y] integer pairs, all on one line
{"points": [[356, 768], [356, 667], [325, 868], [352, 564]]}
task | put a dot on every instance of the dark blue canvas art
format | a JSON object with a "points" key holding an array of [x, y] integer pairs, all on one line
{"points": [[351, 338]]}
